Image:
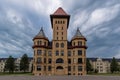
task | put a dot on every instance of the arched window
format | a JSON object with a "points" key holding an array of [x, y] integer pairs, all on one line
{"points": [[59, 67], [59, 60], [57, 44], [62, 45], [39, 42], [49, 60], [57, 53], [39, 60], [79, 43]]}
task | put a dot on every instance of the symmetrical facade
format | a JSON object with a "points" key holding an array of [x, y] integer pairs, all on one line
{"points": [[59, 56]]}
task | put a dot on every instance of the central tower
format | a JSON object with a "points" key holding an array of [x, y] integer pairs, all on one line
{"points": [[60, 22]]}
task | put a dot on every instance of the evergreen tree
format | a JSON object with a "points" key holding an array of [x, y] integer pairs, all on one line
{"points": [[9, 65], [88, 66], [114, 65], [24, 63]]}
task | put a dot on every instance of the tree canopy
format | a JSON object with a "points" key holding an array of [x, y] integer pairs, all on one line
{"points": [[113, 65], [9, 65], [24, 63]]}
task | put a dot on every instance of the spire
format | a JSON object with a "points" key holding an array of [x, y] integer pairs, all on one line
{"points": [[41, 33], [78, 34], [60, 11]]}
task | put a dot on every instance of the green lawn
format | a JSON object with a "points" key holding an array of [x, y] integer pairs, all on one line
{"points": [[105, 74], [15, 73]]}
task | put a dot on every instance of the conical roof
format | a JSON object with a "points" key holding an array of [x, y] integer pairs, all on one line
{"points": [[41, 34], [78, 34]]}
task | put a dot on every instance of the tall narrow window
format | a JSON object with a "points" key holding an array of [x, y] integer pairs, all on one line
{"points": [[55, 22], [69, 53], [62, 28], [44, 43], [69, 61], [57, 28], [79, 52], [57, 53], [44, 60], [79, 68], [57, 45], [39, 52], [49, 53], [62, 53], [62, 33], [49, 60], [49, 68], [62, 45], [79, 43], [63, 22], [69, 68], [79, 60], [39, 60], [44, 68], [39, 42]]}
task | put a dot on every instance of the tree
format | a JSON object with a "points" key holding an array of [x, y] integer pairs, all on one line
{"points": [[114, 65], [24, 63], [88, 66], [9, 65]]}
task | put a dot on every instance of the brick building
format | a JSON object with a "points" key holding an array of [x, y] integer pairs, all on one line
{"points": [[59, 56]]}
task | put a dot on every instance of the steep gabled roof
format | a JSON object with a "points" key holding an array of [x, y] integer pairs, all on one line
{"points": [[60, 11]]}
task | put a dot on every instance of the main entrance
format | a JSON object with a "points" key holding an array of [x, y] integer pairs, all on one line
{"points": [[60, 70]]}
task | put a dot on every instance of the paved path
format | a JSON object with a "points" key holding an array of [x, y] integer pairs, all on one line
{"points": [[59, 77]]}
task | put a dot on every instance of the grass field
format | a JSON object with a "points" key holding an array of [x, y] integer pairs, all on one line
{"points": [[106, 74], [15, 73]]}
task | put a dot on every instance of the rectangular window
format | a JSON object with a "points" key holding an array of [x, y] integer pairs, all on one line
{"points": [[79, 60], [38, 68], [69, 68], [62, 53], [44, 52], [49, 53], [39, 60], [49, 60], [79, 52], [39, 52], [79, 68], [44, 60], [74, 60], [49, 68], [69, 53], [73, 68], [69, 61], [44, 68]]}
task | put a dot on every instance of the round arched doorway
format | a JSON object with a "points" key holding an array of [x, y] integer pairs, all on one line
{"points": [[59, 70]]}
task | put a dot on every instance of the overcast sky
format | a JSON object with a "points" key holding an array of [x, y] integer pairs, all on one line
{"points": [[98, 21]]}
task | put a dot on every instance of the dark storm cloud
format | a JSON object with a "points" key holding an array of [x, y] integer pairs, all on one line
{"points": [[98, 20]]}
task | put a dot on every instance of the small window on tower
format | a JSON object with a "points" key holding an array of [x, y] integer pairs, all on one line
{"points": [[62, 38], [55, 22], [63, 22], [57, 33], [57, 44], [62, 28], [57, 28], [62, 33]]}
